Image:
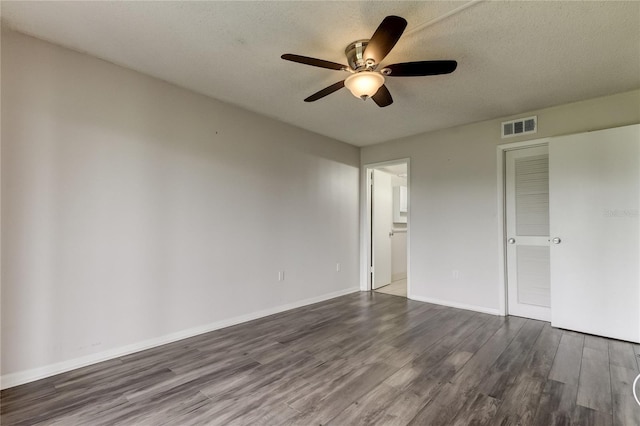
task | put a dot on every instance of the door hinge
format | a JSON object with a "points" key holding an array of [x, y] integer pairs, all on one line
{"points": [[371, 269]]}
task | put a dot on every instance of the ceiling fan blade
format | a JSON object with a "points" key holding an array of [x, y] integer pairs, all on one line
{"points": [[421, 68], [313, 62], [382, 97], [385, 37], [326, 91]]}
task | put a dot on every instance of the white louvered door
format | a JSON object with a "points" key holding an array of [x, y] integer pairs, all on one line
{"points": [[527, 213]]}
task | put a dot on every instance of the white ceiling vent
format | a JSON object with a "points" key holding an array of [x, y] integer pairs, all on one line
{"points": [[521, 126]]}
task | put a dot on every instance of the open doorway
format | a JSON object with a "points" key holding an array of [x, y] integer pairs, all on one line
{"points": [[387, 227]]}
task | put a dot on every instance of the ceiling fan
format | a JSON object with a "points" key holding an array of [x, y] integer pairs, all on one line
{"points": [[364, 58]]}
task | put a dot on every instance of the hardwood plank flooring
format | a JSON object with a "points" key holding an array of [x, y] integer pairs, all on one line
{"points": [[362, 359], [594, 389]]}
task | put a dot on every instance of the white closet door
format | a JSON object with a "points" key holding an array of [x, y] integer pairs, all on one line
{"points": [[527, 211], [595, 258]]}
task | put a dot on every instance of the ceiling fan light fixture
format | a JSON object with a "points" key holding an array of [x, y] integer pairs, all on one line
{"points": [[364, 58], [364, 84]]}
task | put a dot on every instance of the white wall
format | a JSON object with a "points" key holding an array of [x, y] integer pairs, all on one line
{"points": [[134, 211], [454, 219]]}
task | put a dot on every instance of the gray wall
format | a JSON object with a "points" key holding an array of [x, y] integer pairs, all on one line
{"points": [[454, 206], [135, 212]]}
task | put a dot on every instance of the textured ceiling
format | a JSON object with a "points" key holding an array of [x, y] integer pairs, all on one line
{"points": [[512, 56]]}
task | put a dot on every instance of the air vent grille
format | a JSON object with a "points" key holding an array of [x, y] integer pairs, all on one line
{"points": [[521, 126]]}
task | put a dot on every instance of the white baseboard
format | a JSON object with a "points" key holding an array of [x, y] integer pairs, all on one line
{"points": [[475, 308], [22, 377]]}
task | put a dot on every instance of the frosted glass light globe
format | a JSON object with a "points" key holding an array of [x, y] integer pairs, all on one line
{"points": [[364, 84]]}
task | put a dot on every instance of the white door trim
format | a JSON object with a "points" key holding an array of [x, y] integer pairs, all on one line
{"points": [[502, 247], [365, 236]]}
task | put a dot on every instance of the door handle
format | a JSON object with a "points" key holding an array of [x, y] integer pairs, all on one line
{"points": [[511, 240], [556, 240]]}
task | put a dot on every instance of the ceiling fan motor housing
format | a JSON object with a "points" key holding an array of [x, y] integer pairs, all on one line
{"points": [[355, 56]]}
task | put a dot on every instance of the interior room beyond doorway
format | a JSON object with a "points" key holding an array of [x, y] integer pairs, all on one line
{"points": [[388, 219]]}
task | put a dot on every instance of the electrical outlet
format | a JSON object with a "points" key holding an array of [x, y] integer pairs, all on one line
{"points": [[338, 267], [280, 275], [456, 274]]}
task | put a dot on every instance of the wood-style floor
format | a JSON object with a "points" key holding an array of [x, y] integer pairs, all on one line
{"points": [[365, 358]]}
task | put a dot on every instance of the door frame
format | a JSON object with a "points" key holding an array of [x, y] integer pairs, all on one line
{"points": [[365, 221], [501, 151]]}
